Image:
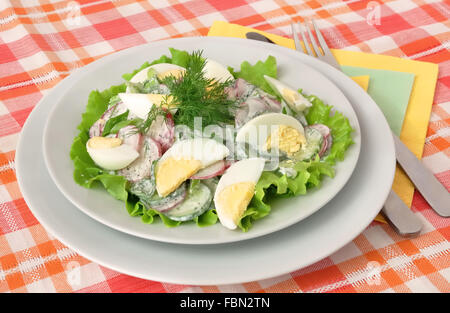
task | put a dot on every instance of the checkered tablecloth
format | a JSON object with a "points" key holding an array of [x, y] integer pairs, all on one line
{"points": [[43, 41]]}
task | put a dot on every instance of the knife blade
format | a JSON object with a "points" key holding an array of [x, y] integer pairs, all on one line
{"points": [[427, 184], [400, 216]]}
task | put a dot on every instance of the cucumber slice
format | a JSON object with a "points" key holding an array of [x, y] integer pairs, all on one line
{"points": [[145, 188], [195, 204], [163, 204], [211, 183], [314, 140]]}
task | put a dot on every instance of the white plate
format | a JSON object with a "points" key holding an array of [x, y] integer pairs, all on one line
{"points": [[97, 203], [300, 245]]}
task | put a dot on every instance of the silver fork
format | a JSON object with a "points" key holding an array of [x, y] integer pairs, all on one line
{"points": [[395, 210], [323, 53]]}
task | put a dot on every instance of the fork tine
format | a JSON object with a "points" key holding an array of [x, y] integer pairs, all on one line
{"points": [[322, 42], [313, 40], [298, 46], [327, 54], [306, 43]]}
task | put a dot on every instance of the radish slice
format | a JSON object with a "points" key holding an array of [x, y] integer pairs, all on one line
{"points": [[130, 135], [96, 129], [141, 167], [324, 147], [211, 171], [327, 140], [163, 131], [323, 129], [228, 163]]}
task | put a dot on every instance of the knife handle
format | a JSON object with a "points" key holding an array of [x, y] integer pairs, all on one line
{"points": [[400, 217], [430, 188]]}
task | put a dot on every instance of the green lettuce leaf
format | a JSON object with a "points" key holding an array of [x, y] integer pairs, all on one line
{"points": [[112, 122], [147, 215], [179, 57], [255, 73], [339, 125], [97, 104], [86, 172], [162, 59], [128, 76], [275, 185]]}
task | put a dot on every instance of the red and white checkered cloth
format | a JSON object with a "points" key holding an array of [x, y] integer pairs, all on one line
{"points": [[42, 41]]}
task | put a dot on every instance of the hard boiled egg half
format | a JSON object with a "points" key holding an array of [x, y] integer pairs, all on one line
{"points": [[184, 159], [215, 70], [235, 190], [162, 70], [140, 104], [293, 98], [111, 153], [273, 130]]}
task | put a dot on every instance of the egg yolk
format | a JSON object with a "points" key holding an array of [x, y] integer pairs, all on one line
{"points": [[290, 95], [172, 172], [175, 72], [104, 142], [234, 199], [165, 101], [289, 140], [208, 88]]}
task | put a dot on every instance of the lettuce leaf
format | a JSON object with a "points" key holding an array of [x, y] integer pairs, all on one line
{"points": [[147, 215], [275, 185], [339, 125], [179, 57], [97, 104], [162, 59], [255, 73], [86, 172]]}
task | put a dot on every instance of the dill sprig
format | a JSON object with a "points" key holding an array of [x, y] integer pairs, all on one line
{"points": [[194, 95], [154, 112]]}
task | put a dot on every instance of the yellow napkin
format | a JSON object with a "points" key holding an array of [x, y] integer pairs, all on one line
{"points": [[419, 108], [362, 81]]}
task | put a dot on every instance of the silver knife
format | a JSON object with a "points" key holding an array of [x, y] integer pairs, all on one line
{"points": [[400, 217], [430, 188]]}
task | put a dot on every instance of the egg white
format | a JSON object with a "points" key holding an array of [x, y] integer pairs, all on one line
{"points": [[140, 104], [207, 151], [141, 76], [247, 170], [215, 70], [114, 158], [259, 128], [300, 105]]}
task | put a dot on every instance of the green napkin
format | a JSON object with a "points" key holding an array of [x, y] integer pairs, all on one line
{"points": [[390, 90]]}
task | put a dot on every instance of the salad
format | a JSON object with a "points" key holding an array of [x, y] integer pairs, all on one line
{"points": [[187, 140]]}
